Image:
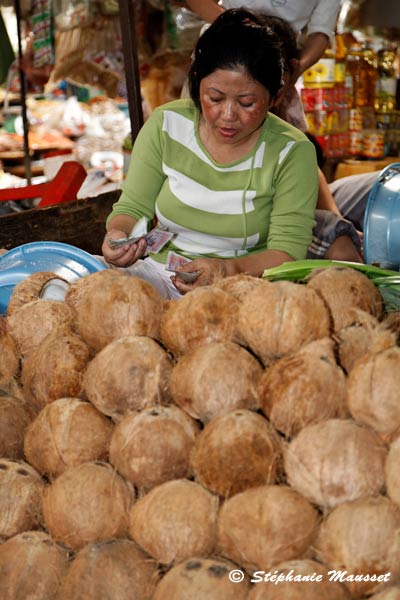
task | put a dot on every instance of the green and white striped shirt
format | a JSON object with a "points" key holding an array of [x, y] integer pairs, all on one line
{"points": [[265, 200]]}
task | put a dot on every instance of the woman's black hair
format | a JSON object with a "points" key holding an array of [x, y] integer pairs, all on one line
{"points": [[287, 35], [238, 38]]}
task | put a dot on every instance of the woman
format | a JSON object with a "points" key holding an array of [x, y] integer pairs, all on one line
{"points": [[236, 185]]}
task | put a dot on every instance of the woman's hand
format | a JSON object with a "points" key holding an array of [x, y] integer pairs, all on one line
{"points": [[208, 269], [126, 255]]}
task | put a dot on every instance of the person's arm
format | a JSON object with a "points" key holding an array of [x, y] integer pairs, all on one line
{"points": [[312, 50], [208, 10], [326, 201]]}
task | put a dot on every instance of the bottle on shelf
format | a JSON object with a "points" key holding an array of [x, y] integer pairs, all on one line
{"points": [[386, 83], [360, 70]]}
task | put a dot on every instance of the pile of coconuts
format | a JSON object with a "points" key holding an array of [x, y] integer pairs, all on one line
{"points": [[242, 442]]}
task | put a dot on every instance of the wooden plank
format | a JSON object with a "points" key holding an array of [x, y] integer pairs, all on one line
{"points": [[80, 223]]}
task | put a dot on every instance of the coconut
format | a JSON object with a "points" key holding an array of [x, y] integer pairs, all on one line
{"points": [[362, 538], [373, 392], [153, 446], [67, 433], [303, 388], [130, 373], [279, 318], [202, 579], [391, 321], [174, 521], [30, 324], [237, 451], [214, 379], [30, 289], [264, 526], [206, 315], [114, 305], [55, 369], [32, 566], [87, 503], [9, 365], [365, 336], [299, 579], [345, 289], [15, 416], [392, 471], [110, 569], [335, 461], [21, 489], [392, 593], [240, 285]]}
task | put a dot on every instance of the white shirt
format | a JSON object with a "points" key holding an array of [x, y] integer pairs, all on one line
{"points": [[319, 15]]}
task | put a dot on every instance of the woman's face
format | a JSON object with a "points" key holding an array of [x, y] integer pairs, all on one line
{"points": [[233, 104]]}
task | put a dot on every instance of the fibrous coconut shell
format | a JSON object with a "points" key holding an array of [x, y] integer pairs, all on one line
{"points": [[55, 369], [32, 566], [240, 285], [67, 433], [237, 451], [114, 305], [206, 315], [280, 318], [372, 391], [266, 525], [10, 362], [131, 373], [362, 538], [174, 521], [305, 387], [345, 289], [294, 584], [392, 593], [214, 379], [15, 416], [392, 471], [21, 490], [202, 579], [153, 446], [110, 569], [30, 324], [29, 289], [335, 461], [87, 503]]}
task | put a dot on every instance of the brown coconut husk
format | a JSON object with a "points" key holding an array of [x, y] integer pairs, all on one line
{"points": [[362, 538], [392, 471], [334, 462], [215, 379], [206, 315], [306, 387], [29, 289], [366, 335], [15, 416], [131, 373], [235, 452], [30, 325], [110, 569], [87, 503], [55, 369], [32, 566], [21, 490], [153, 446], [174, 521], [372, 391], [278, 319], [295, 586], [202, 579], [114, 305], [345, 289], [392, 593], [391, 321], [264, 526], [240, 285], [10, 362], [67, 433]]}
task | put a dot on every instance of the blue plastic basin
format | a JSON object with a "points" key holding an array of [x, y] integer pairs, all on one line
{"points": [[66, 261], [381, 243]]}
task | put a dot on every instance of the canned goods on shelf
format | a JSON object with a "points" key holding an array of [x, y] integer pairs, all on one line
{"points": [[373, 143]]}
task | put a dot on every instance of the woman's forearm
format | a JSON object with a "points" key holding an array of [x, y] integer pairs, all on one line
{"points": [[314, 47], [256, 263], [208, 10], [122, 223]]}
